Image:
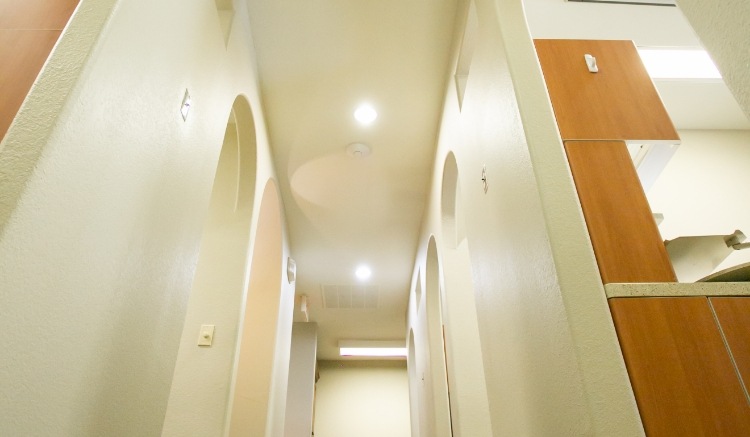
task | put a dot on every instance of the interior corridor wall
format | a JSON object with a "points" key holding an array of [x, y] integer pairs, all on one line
{"points": [[550, 354], [198, 398], [366, 398], [104, 194], [302, 375]]}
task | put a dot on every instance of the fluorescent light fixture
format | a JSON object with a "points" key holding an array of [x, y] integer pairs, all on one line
{"points": [[363, 273], [678, 64], [365, 114], [355, 348], [632, 2]]}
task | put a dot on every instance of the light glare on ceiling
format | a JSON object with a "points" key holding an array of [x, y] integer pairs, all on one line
{"points": [[678, 64], [365, 114], [363, 273]]}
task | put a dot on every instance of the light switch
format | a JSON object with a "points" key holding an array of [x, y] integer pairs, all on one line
{"points": [[206, 336]]}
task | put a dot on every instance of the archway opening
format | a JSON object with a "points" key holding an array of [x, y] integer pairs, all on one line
{"points": [[453, 224], [418, 292], [463, 350], [414, 389], [198, 397], [253, 388], [436, 336]]}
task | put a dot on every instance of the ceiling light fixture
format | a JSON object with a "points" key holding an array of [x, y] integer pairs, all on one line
{"points": [[365, 114], [678, 64], [358, 348], [363, 273]]}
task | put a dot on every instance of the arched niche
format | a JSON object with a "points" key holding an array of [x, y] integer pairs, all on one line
{"points": [[468, 399], [414, 386], [435, 334], [253, 387], [418, 292], [202, 378], [453, 226]]}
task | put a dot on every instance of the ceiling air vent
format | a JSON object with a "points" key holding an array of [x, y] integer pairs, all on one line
{"points": [[631, 2], [350, 296]]}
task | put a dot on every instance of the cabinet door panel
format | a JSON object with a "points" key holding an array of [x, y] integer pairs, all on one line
{"points": [[627, 243], [682, 377], [619, 102], [734, 316], [22, 54], [36, 14]]}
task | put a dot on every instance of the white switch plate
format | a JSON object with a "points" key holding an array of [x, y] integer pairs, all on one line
{"points": [[206, 336]]}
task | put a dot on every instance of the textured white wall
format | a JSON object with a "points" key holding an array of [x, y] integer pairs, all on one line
{"points": [[700, 190], [203, 375], [363, 399], [724, 29], [100, 244], [550, 354]]}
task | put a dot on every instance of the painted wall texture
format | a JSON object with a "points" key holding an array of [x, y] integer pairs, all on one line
{"points": [[552, 365], [102, 202], [362, 398], [724, 29]]}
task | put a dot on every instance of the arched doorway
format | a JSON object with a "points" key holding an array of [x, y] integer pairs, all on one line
{"points": [[435, 335], [468, 396], [414, 386], [253, 389], [198, 398]]}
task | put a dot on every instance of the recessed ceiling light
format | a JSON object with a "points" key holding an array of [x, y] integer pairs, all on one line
{"points": [[678, 64], [363, 273], [365, 114]]}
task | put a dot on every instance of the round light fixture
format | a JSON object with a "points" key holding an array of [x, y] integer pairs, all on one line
{"points": [[363, 273], [365, 114], [358, 150]]}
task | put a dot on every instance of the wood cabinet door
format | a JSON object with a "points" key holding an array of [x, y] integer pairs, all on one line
{"points": [[619, 102], [683, 379], [626, 241], [733, 314], [28, 31]]}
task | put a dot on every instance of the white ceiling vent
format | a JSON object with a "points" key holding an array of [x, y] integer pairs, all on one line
{"points": [[632, 2], [350, 296]]}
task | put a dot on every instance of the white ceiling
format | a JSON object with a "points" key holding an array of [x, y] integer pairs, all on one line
{"points": [[319, 59]]}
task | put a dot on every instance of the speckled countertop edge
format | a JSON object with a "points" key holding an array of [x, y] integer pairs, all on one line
{"points": [[675, 289]]}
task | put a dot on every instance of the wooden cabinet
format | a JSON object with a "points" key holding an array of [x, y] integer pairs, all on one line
{"points": [[36, 14], [733, 316], [619, 102], [29, 30], [22, 53], [687, 357], [596, 114], [684, 380], [626, 241]]}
